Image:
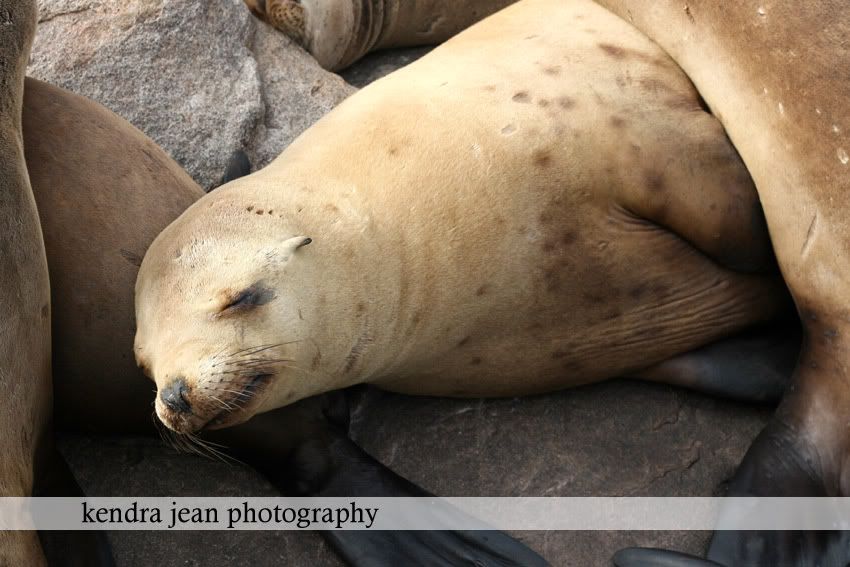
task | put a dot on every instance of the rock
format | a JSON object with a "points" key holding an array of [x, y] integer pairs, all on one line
{"points": [[381, 63], [296, 93], [185, 73], [138, 466], [621, 438]]}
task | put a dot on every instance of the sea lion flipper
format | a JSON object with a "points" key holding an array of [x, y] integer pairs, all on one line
{"points": [[70, 548], [753, 366], [356, 473], [781, 462], [648, 557]]}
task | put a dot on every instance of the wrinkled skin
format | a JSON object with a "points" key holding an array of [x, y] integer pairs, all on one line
{"points": [[339, 32], [776, 76]]}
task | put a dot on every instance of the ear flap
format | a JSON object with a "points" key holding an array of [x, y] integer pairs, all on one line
{"points": [[290, 245]]}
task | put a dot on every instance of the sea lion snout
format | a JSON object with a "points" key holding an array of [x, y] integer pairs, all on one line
{"points": [[175, 396]]}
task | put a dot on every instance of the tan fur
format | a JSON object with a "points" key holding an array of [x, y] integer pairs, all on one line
{"points": [[777, 75], [24, 294], [339, 32], [516, 212], [104, 191]]}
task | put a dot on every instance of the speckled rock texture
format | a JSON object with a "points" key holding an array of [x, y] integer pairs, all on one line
{"points": [[204, 78]]}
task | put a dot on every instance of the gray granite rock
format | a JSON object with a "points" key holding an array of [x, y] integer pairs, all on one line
{"points": [[616, 439], [188, 73], [296, 93]]}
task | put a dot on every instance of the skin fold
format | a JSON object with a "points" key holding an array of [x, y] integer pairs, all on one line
{"points": [[776, 75], [337, 33]]}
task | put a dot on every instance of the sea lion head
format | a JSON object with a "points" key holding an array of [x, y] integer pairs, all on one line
{"points": [[218, 328]]}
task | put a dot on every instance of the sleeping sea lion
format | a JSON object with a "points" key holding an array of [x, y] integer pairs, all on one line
{"points": [[513, 213]]}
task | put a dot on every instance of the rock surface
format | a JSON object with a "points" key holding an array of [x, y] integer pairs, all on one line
{"points": [[617, 439], [201, 78]]}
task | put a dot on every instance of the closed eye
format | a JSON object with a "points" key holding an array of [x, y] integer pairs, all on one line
{"points": [[249, 297]]}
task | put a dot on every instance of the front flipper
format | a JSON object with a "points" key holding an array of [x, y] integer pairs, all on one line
{"points": [[650, 557], [780, 463], [70, 548], [303, 450], [353, 472]]}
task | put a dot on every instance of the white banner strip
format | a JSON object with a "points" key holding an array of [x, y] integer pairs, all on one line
{"points": [[575, 514]]}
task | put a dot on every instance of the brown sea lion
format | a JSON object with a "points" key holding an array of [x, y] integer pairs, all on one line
{"points": [[513, 213], [25, 441], [105, 190], [777, 76], [337, 33]]}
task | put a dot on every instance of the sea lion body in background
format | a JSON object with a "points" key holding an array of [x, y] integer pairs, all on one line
{"points": [[100, 185], [777, 76], [25, 397], [339, 32], [513, 213]]}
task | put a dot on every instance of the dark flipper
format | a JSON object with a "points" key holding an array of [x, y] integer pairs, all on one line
{"points": [[354, 472], [779, 463], [304, 451], [648, 557], [237, 166], [71, 549], [755, 366]]}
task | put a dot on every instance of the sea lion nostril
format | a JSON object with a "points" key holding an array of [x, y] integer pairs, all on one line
{"points": [[174, 396]]}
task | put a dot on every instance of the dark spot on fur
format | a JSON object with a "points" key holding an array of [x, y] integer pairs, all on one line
{"points": [[463, 341], [568, 238], [475, 361], [545, 217], [270, 211], [45, 311], [542, 158], [393, 151], [249, 208], [552, 279], [660, 290], [593, 297], [653, 85], [260, 211], [552, 70], [637, 291], [481, 290], [522, 97], [612, 50], [655, 181], [361, 308], [549, 246], [617, 122], [490, 88], [543, 103], [131, 257], [566, 102], [316, 360], [332, 208]]}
